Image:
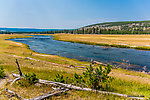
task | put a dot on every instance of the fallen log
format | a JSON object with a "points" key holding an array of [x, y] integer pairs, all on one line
{"points": [[41, 97], [99, 63], [49, 94], [14, 94], [84, 89], [72, 66], [69, 86]]}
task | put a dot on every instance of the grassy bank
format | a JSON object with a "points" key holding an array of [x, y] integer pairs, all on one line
{"points": [[46, 66], [141, 42]]}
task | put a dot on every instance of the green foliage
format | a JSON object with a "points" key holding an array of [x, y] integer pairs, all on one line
{"points": [[29, 79], [96, 77], [78, 79], [62, 79], [59, 78], [128, 27], [2, 74]]}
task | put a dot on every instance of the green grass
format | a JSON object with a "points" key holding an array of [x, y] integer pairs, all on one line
{"points": [[133, 73], [131, 88], [118, 85], [45, 69]]}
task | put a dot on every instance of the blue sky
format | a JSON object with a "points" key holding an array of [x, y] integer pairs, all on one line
{"points": [[70, 13]]}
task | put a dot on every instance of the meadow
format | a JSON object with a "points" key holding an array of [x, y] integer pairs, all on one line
{"points": [[120, 41], [46, 66]]}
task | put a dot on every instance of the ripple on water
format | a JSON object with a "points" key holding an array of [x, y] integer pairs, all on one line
{"points": [[84, 52]]}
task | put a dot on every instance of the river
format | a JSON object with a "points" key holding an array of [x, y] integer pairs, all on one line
{"points": [[84, 52]]}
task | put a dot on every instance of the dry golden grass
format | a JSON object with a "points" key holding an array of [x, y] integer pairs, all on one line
{"points": [[46, 66], [129, 40]]}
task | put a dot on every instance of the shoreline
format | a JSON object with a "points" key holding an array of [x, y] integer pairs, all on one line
{"points": [[132, 67], [38, 53], [107, 45], [100, 44]]}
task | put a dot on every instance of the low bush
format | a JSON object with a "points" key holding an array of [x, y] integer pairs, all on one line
{"points": [[2, 74], [62, 79], [95, 78], [29, 79], [98, 77], [59, 78]]}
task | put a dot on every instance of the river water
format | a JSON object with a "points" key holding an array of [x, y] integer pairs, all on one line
{"points": [[83, 52]]}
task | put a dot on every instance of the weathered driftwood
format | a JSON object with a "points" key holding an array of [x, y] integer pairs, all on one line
{"points": [[14, 94], [49, 94], [18, 78], [15, 75], [41, 97], [77, 87], [96, 62], [69, 86], [80, 67], [84, 89], [72, 66]]}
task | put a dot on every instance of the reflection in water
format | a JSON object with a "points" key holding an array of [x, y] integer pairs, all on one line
{"points": [[82, 52]]}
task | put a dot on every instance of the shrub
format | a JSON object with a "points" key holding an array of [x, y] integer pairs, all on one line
{"points": [[97, 77], [59, 78], [2, 74], [78, 79], [29, 79]]}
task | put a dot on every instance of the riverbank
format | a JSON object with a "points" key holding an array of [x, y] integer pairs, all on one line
{"points": [[46, 66], [140, 42]]}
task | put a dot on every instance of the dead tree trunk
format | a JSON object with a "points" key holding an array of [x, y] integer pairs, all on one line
{"points": [[19, 68]]}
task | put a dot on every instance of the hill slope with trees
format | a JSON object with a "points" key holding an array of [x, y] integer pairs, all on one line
{"points": [[126, 27]]}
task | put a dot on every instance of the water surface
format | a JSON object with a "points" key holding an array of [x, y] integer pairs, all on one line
{"points": [[83, 52]]}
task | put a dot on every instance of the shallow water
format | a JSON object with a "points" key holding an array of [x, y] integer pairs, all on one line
{"points": [[83, 52]]}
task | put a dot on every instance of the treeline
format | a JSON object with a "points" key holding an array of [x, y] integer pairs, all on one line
{"points": [[83, 31], [109, 31], [44, 32], [127, 27], [57, 31]]}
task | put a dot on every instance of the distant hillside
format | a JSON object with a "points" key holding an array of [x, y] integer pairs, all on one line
{"points": [[127, 27]]}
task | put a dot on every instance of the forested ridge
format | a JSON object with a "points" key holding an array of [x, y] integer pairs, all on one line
{"points": [[127, 27]]}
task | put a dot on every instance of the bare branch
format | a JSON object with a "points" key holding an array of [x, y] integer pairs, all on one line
{"points": [[15, 94], [15, 80]]}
